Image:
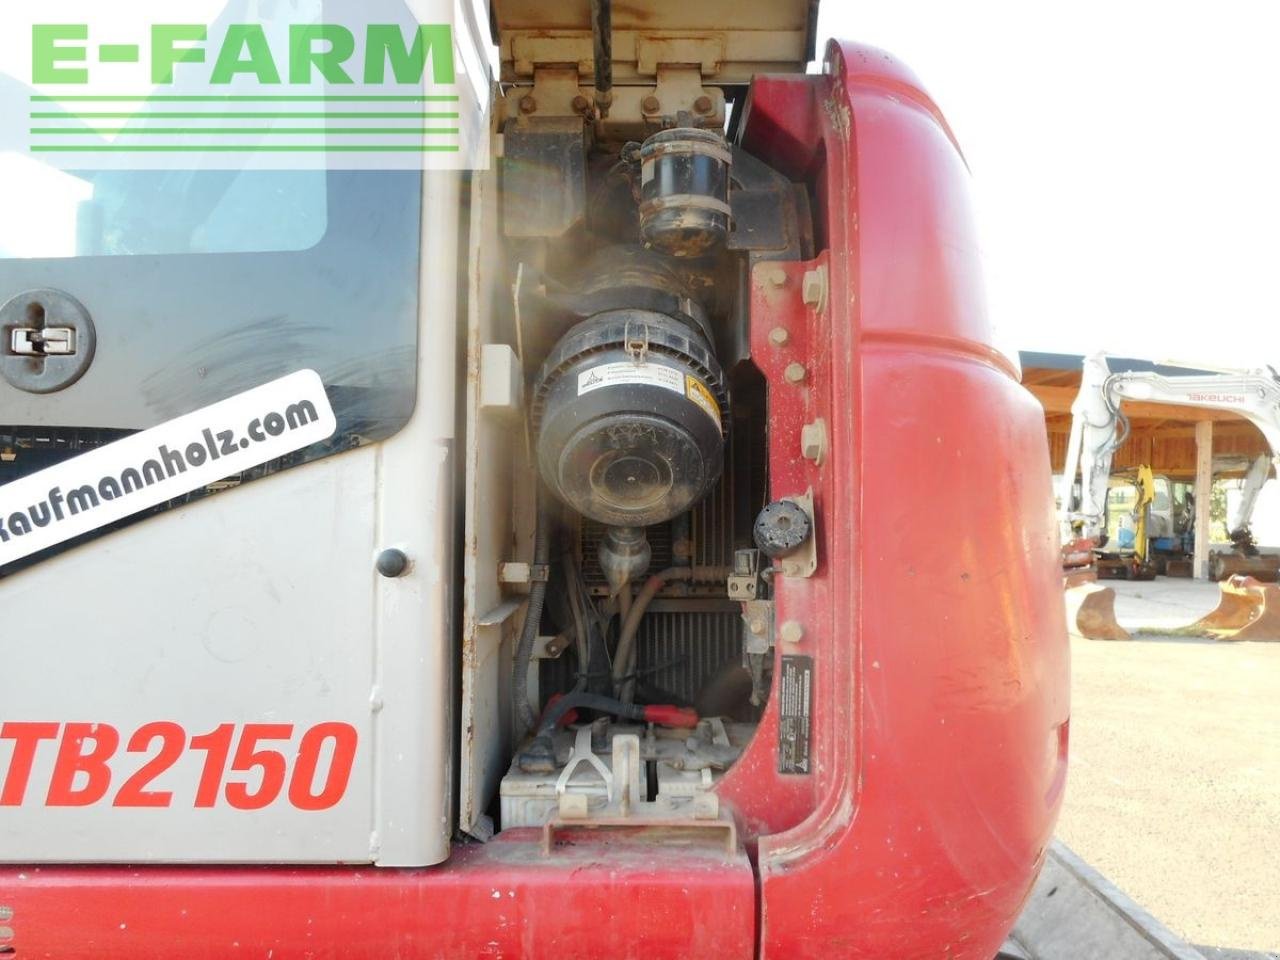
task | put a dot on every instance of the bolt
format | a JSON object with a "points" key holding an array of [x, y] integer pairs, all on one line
{"points": [[702, 104], [580, 104], [392, 562], [777, 276], [792, 632], [528, 104], [814, 288], [779, 336], [756, 626], [651, 104], [813, 441], [795, 373]]}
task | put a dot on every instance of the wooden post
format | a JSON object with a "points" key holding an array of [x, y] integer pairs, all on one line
{"points": [[1204, 494]]}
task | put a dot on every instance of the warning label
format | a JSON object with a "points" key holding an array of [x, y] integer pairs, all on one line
{"points": [[697, 391], [795, 721], [627, 372]]}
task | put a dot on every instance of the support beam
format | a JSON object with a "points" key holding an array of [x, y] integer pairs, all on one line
{"points": [[1204, 494]]}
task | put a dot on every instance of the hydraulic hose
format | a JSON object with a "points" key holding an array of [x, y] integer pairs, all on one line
{"points": [[624, 657], [525, 711]]}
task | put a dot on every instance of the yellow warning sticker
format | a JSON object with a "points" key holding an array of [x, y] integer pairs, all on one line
{"points": [[697, 391]]}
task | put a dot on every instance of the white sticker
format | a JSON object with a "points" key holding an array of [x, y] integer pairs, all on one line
{"points": [[166, 461], [628, 372]]}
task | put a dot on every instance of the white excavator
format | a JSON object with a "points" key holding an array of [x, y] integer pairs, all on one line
{"points": [[1099, 427]]}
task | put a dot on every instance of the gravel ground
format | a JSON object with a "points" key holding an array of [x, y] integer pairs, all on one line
{"points": [[1174, 791]]}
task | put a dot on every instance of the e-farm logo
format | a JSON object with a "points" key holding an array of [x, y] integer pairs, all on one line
{"points": [[354, 91]]}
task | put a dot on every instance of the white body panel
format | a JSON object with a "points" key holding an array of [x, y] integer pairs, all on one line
{"points": [[260, 605]]}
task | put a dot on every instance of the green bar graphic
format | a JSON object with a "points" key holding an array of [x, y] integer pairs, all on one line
{"points": [[232, 98], [85, 131], [243, 116], [118, 53], [246, 148]]}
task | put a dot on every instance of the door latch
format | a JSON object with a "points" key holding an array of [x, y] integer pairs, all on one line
{"points": [[43, 341]]}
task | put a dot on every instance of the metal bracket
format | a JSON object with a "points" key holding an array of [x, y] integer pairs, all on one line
{"points": [[804, 561], [519, 572], [757, 615], [744, 582], [577, 805]]}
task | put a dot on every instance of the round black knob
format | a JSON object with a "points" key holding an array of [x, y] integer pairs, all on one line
{"points": [[392, 562], [781, 528]]}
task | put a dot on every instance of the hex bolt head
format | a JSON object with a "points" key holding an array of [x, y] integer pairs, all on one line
{"points": [[776, 276], [814, 288], [528, 104], [392, 563], [650, 104], [779, 336], [791, 632], [756, 626], [795, 373], [813, 441], [703, 104], [580, 104]]}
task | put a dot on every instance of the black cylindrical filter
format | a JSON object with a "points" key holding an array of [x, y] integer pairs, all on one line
{"points": [[684, 191], [629, 413]]}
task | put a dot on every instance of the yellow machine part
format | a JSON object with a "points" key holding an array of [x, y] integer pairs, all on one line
{"points": [[1146, 494]]}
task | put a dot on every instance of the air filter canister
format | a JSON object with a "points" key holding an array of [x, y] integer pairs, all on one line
{"points": [[629, 413]]}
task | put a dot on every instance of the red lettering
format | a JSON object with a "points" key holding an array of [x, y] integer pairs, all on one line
{"points": [[172, 739], [26, 739], [344, 739], [271, 762], [217, 747], [73, 759], [317, 775]]}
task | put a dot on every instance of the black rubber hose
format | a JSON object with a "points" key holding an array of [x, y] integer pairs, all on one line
{"points": [[525, 712]]}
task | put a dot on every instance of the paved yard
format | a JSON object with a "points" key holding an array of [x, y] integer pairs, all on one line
{"points": [[1174, 792]]}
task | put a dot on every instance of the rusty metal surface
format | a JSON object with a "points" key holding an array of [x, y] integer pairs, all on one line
{"points": [[1226, 564], [1247, 610], [1091, 612], [729, 40]]}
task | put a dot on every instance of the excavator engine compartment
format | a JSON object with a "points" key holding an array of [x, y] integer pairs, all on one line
{"points": [[644, 659]]}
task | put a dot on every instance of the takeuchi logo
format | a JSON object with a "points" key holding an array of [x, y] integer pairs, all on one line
{"points": [[329, 53]]}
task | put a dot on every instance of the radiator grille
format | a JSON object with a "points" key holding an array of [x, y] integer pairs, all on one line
{"points": [[681, 652]]}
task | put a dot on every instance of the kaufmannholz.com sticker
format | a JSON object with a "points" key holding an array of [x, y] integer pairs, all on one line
{"points": [[166, 461]]}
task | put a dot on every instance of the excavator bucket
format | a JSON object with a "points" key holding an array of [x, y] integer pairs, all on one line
{"points": [[1091, 612], [1247, 610]]}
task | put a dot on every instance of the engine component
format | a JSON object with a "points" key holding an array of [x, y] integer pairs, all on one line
{"points": [[781, 528], [624, 555], [684, 191], [628, 412]]}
